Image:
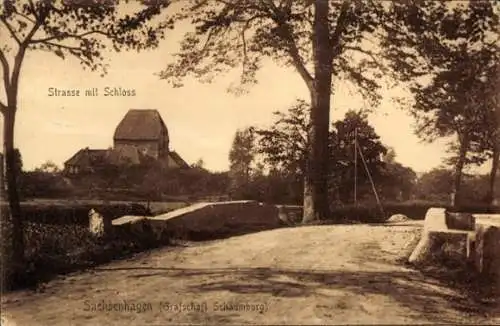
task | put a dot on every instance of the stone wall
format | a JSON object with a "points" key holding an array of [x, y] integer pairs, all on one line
{"points": [[472, 241], [487, 255], [202, 220], [219, 219], [440, 243]]}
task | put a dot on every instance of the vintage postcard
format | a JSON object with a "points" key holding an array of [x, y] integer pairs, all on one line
{"points": [[270, 162]]}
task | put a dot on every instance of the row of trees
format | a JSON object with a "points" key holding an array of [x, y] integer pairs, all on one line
{"points": [[267, 164], [249, 179], [458, 97], [437, 184], [149, 180], [452, 44], [278, 154]]}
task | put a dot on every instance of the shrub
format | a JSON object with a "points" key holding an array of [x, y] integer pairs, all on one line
{"points": [[478, 209], [68, 213], [49, 185], [416, 210], [57, 239], [58, 249], [360, 214]]}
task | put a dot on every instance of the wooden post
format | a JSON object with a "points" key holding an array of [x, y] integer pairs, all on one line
{"points": [[355, 165]]}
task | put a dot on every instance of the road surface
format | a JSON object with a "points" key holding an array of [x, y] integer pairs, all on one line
{"points": [[349, 274]]}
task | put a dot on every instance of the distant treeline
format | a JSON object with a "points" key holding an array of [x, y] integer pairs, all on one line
{"points": [[143, 184]]}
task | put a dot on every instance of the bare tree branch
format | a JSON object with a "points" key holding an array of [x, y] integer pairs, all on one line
{"points": [[245, 55], [335, 39], [243, 38], [11, 30], [374, 56], [68, 35], [33, 9], [6, 71], [32, 32], [3, 108], [25, 17], [62, 46], [16, 70], [209, 37], [293, 50]]}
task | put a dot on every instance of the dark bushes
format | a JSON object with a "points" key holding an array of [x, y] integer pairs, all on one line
{"points": [[59, 249], [371, 212], [416, 210], [57, 239], [75, 214]]}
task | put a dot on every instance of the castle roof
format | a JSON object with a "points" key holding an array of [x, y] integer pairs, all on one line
{"points": [[88, 157], [173, 155], [140, 125]]}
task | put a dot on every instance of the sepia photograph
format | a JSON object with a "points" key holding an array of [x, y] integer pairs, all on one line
{"points": [[267, 162]]}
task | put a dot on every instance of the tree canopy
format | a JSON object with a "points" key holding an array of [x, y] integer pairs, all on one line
{"points": [[242, 34], [283, 146], [448, 52]]}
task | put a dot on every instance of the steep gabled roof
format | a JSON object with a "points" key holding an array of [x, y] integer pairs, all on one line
{"points": [[87, 157], [178, 159], [126, 155], [140, 125]]}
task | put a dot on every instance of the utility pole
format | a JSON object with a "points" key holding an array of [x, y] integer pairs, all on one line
{"points": [[371, 181], [355, 166]]}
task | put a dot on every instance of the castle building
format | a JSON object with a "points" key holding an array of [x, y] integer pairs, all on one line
{"points": [[140, 136]]}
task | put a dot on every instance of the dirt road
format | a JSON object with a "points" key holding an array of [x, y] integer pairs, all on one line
{"points": [[304, 275]]}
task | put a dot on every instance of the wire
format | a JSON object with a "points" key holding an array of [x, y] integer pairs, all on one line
{"points": [[371, 180]]}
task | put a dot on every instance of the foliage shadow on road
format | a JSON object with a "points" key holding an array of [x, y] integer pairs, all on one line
{"points": [[411, 289]]}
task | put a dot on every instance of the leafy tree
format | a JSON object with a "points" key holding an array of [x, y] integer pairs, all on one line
{"points": [[435, 185], [284, 145], [78, 29], [42, 184], [322, 40], [474, 122], [218, 183], [438, 183], [199, 164], [49, 167], [491, 138], [284, 148], [454, 45], [241, 157], [397, 181], [354, 126], [390, 156]]}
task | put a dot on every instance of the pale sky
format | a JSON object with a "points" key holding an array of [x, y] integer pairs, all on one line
{"points": [[201, 118]]}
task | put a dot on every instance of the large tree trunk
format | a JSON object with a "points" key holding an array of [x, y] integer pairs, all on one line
{"points": [[315, 180], [496, 147], [459, 166], [493, 174], [13, 255]]}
